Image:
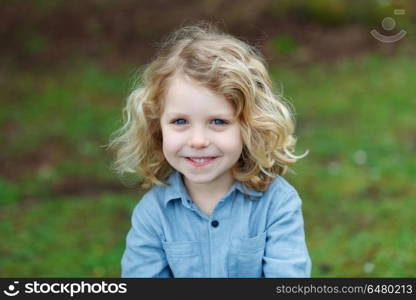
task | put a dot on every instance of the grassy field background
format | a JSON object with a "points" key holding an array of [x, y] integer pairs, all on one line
{"points": [[63, 212], [67, 69]]}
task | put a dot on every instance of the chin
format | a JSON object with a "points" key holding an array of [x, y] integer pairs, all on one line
{"points": [[197, 177], [201, 177]]}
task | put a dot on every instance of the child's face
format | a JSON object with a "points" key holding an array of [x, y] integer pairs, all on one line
{"points": [[197, 122]]}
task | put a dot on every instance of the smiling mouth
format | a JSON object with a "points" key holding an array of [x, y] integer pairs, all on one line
{"points": [[200, 161], [201, 158]]}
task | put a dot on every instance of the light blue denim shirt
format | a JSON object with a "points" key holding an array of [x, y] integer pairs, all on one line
{"points": [[249, 234]]}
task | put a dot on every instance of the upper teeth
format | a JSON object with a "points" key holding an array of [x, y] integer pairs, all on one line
{"points": [[199, 159]]}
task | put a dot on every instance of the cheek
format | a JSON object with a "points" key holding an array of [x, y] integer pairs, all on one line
{"points": [[232, 142], [171, 141]]}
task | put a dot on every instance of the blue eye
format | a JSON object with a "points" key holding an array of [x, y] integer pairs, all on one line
{"points": [[223, 122], [183, 122], [179, 122]]}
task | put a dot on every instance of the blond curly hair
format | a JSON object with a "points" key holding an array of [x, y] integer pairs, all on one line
{"points": [[229, 67]]}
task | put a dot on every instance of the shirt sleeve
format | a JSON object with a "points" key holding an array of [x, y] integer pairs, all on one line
{"points": [[144, 255], [286, 253]]}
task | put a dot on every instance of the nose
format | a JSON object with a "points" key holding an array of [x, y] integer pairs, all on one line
{"points": [[198, 139]]}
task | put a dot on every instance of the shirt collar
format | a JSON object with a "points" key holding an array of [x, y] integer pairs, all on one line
{"points": [[177, 189]]}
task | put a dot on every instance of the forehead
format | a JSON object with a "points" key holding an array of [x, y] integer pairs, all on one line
{"points": [[185, 95]]}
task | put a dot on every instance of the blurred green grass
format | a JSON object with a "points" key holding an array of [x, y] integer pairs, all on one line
{"points": [[60, 214]]}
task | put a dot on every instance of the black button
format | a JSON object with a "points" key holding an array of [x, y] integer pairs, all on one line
{"points": [[215, 223]]}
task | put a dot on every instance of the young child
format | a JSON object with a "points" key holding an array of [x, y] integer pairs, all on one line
{"points": [[210, 138]]}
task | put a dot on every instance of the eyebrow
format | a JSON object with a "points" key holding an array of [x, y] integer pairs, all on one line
{"points": [[219, 115]]}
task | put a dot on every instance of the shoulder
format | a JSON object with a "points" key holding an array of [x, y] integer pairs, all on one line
{"points": [[280, 186], [281, 192], [150, 204]]}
